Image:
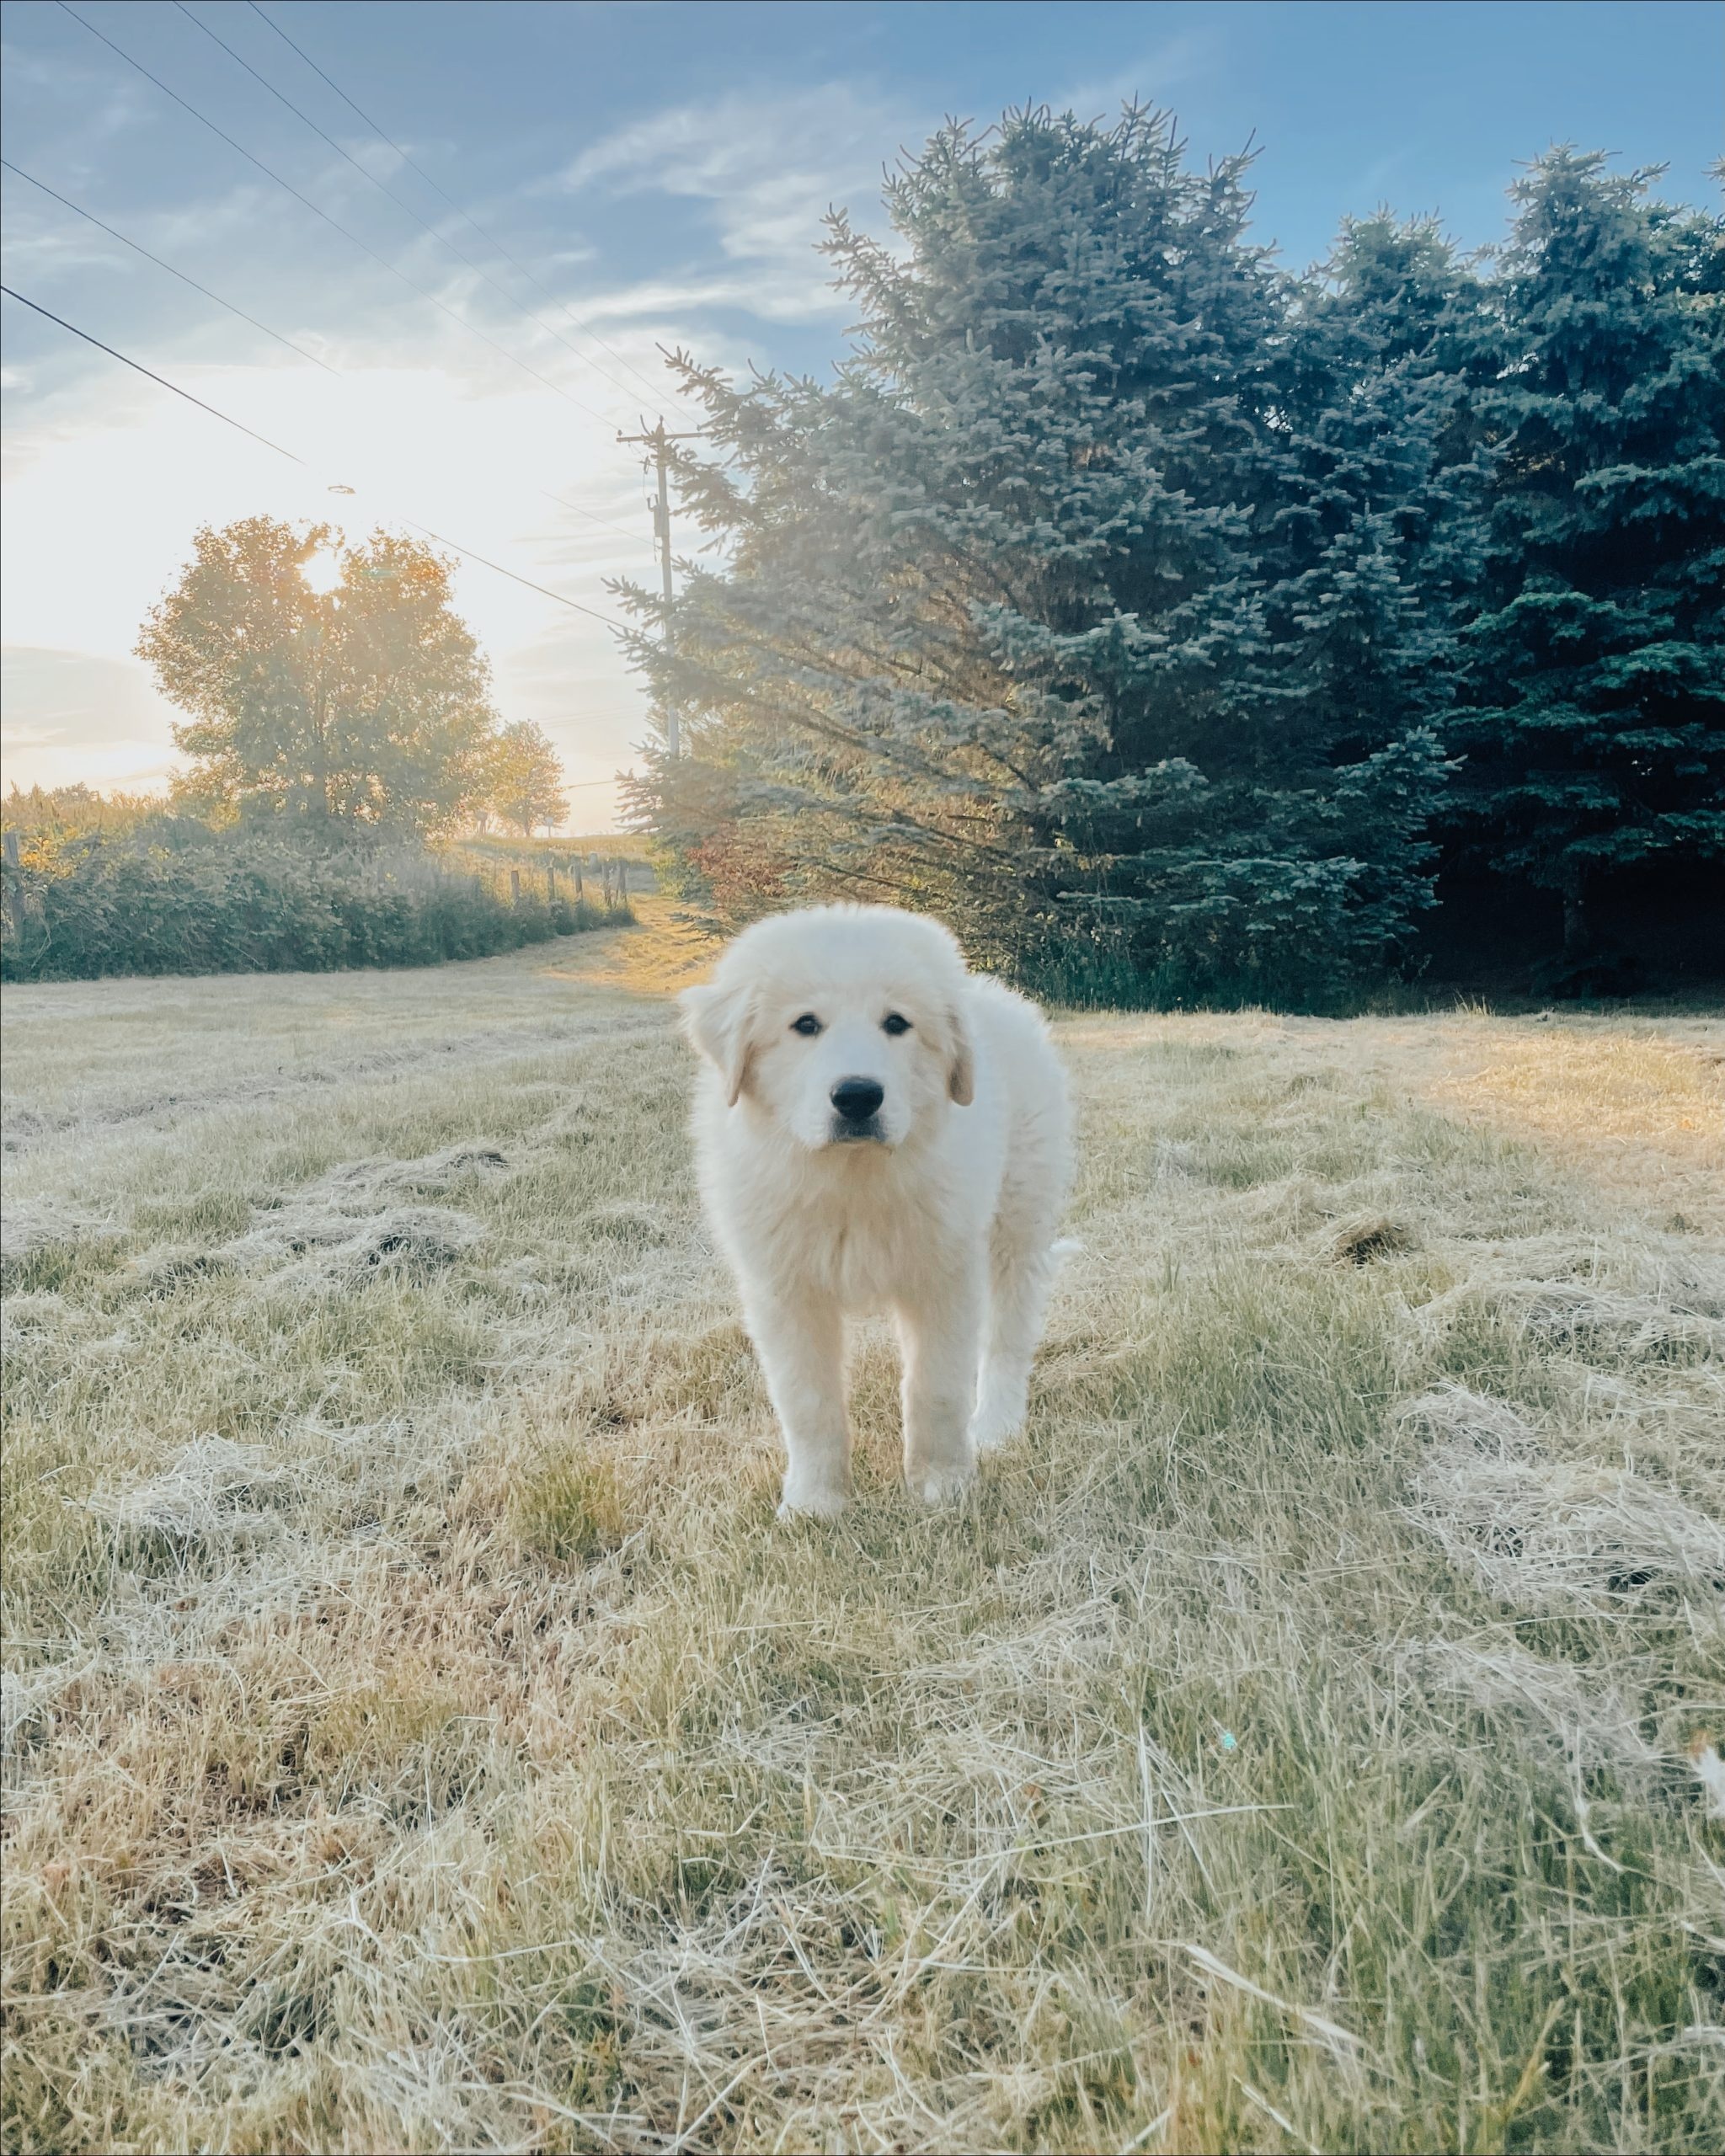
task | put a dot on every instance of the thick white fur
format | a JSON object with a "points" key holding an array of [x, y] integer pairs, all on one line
{"points": [[947, 1220]]}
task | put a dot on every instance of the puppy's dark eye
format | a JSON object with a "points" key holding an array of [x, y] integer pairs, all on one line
{"points": [[807, 1025], [893, 1024]]}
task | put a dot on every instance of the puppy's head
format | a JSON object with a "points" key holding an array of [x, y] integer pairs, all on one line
{"points": [[843, 1024]]}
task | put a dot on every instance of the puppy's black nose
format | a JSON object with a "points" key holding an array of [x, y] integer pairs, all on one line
{"points": [[856, 1099]]}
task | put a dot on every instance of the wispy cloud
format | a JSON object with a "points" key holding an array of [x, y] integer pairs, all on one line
{"points": [[1186, 58], [785, 296], [743, 182], [767, 168], [89, 105]]}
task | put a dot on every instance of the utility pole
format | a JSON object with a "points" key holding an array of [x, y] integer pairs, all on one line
{"points": [[659, 442]]}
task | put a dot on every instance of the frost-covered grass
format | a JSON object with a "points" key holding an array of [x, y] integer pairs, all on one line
{"points": [[419, 1733]]}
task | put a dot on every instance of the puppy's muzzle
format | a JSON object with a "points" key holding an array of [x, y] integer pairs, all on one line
{"points": [[855, 1104]]}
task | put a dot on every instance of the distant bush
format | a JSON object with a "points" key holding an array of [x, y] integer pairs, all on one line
{"points": [[173, 896]]}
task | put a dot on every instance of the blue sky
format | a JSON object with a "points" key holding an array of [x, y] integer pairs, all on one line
{"points": [[660, 171]]}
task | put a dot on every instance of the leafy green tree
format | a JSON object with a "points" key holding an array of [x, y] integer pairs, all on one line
{"points": [[1594, 719], [1092, 603], [363, 704], [522, 778]]}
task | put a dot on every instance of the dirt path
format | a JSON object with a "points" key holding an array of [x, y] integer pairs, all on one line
{"points": [[662, 953]]}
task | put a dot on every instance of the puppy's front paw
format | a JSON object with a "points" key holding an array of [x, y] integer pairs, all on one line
{"points": [[945, 1484], [1000, 1412], [990, 1432], [811, 1501]]}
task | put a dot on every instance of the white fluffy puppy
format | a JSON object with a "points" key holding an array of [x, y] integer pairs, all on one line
{"points": [[877, 1129]]}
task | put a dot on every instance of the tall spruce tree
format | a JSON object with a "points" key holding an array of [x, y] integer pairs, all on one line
{"points": [[1393, 338], [1102, 602], [1594, 722]]}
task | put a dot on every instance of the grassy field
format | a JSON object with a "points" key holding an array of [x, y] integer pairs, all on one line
{"points": [[419, 1735]]}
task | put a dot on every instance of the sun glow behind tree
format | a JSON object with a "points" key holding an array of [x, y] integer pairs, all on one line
{"points": [[330, 684]]}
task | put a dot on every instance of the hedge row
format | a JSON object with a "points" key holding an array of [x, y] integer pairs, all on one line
{"points": [[239, 902]]}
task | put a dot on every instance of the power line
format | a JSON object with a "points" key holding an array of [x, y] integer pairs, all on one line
{"points": [[490, 239], [138, 367], [382, 261], [466, 553], [591, 515], [185, 280], [383, 188], [561, 501]]}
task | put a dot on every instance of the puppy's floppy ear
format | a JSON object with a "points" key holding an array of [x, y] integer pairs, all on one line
{"points": [[719, 1022], [961, 1067]]}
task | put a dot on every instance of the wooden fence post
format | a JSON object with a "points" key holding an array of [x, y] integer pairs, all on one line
{"points": [[550, 881], [514, 887]]}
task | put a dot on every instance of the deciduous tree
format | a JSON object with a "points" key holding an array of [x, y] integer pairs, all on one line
{"points": [[365, 705], [523, 778]]}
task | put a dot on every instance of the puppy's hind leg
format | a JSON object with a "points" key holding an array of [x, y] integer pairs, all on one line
{"points": [[1022, 1277], [799, 1338]]}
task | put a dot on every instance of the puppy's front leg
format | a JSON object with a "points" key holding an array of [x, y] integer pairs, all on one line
{"points": [[799, 1338], [941, 1334]]}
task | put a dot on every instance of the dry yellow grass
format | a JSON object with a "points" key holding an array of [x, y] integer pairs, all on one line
{"points": [[419, 1735], [1634, 1104], [1642, 1109]]}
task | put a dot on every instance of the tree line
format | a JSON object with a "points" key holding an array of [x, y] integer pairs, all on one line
{"points": [[1178, 626], [339, 728]]}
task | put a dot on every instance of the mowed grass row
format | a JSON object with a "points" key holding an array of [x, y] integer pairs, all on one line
{"points": [[421, 1735]]}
